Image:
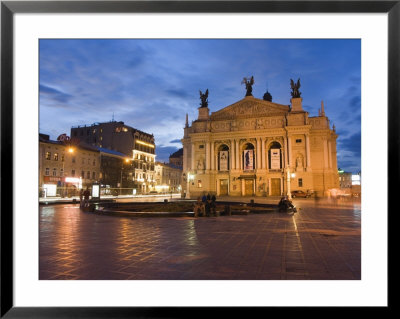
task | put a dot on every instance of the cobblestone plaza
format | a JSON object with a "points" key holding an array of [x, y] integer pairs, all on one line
{"points": [[320, 242]]}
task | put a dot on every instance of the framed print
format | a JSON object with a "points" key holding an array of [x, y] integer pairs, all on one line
{"points": [[33, 43]]}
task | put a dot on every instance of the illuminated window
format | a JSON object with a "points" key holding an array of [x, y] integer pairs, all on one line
{"points": [[56, 156], [48, 155], [199, 184]]}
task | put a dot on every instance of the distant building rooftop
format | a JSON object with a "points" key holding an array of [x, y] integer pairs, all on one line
{"points": [[178, 153], [110, 122]]}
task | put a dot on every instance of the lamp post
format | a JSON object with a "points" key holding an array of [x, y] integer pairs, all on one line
{"points": [[189, 177], [289, 177], [122, 168], [70, 150]]}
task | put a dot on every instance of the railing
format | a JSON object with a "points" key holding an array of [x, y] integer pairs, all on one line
{"points": [[72, 192]]}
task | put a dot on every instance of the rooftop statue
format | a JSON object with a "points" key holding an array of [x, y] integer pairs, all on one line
{"points": [[204, 99], [249, 84], [295, 88]]}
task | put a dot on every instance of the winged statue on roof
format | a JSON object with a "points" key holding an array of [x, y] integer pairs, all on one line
{"points": [[295, 88], [249, 83], [204, 99]]}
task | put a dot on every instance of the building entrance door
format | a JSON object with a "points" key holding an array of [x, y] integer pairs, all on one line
{"points": [[248, 187], [223, 187], [275, 186]]}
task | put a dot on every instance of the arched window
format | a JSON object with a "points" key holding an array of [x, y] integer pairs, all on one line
{"points": [[275, 159], [223, 158], [248, 157]]}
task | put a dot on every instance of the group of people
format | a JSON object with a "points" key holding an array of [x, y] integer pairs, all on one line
{"points": [[205, 206], [84, 197]]}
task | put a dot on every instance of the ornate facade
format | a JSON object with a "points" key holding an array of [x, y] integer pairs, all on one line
{"points": [[255, 147]]}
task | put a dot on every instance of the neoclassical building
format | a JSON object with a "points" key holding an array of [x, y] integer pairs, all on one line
{"points": [[255, 147]]}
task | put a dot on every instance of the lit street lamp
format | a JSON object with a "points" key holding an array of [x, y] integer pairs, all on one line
{"points": [[190, 177], [122, 168], [70, 150], [289, 177]]}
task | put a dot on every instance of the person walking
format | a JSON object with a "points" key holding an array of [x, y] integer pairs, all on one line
{"points": [[213, 205], [86, 195], [81, 198]]}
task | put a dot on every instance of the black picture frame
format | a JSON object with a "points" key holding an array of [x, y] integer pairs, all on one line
{"points": [[9, 8]]}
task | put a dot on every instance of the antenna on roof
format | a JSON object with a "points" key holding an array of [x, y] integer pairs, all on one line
{"points": [[113, 117]]}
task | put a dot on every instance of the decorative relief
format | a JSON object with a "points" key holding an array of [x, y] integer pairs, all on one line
{"points": [[247, 109]]}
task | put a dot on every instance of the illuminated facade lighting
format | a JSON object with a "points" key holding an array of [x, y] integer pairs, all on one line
{"points": [[144, 143]]}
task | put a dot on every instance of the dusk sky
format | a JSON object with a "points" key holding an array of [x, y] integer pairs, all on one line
{"points": [[151, 84]]}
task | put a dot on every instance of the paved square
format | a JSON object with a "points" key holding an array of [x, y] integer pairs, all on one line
{"points": [[320, 242]]}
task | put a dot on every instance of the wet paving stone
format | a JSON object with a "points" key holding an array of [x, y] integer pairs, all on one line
{"points": [[320, 242]]}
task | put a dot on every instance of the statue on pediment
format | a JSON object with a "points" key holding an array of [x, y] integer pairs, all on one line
{"points": [[204, 99], [249, 83], [295, 88]]}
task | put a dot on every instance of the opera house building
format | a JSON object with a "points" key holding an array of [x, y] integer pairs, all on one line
{"points": [[255, 147]]}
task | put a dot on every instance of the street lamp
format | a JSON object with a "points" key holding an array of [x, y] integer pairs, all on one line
{"points": [[289, 176], [70, 150], [122, 168], [190, 177]]}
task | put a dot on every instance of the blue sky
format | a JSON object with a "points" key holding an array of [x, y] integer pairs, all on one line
{"points": [[152, 84]]}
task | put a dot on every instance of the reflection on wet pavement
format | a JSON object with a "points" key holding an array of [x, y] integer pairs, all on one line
{"points": [[321, 241]]}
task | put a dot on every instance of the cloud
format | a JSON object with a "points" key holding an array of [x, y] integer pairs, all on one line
{"points": [[54, 94], [152, 84], [163, 152], [351, 144], [355, 102], [178, 93]]}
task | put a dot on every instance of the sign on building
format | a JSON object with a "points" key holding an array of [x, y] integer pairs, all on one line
{"points": [[248, 160], [275, 158], [223, 160]]}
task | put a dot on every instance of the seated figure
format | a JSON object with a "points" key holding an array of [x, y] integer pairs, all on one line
{"points": [[285, 204], [198, 207]]}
